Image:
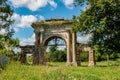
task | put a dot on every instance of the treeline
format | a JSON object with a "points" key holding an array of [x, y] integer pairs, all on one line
{"points": [[84, 56], [55, 55]]}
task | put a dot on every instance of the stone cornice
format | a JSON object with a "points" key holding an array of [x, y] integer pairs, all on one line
{"points": [[52, 22]]}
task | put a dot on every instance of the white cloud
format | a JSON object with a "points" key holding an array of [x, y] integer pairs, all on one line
{"points": [[40, 17], [25, 20], [2, 31], [52, 3], [68, 3], [61, 47], [16, 29], [15, 16], [27, 41], [16, 50], [33, 4], [83, 39]]}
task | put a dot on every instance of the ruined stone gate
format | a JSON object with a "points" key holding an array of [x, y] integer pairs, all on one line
{"points": [[46, 31]]}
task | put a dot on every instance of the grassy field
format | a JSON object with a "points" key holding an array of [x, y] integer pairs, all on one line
{"points": [[58, 71]]}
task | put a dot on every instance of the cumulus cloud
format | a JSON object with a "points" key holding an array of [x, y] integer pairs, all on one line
{"points": [[27, 41], [25, 20], [2, 31], [16, 50], [83, 39], [52, 3], [40, 17], [33, 4], [68, 3]]}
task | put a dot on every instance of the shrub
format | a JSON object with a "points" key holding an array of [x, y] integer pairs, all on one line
{"points": [[98, 56], [15, 57], [60, 56], [57, 56], [29, 58], [114, 55], [3, 61], [84, 56]]}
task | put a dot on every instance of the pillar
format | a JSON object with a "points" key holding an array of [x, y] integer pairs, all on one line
{"points": [[42, 59], [92, 58], [44, 55], [35, 56], [23, 57], [69, 60], [36, 53], [74, 49], [78, 55]]}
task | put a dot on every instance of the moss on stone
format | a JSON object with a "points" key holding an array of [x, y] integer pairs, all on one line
{"points": [[52, 22]]}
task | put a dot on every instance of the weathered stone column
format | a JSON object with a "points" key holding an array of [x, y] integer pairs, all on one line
{"points": [[68, 50], [78, 55], [23, 57], [36, 53], [41, 49], [44, 55], [74, 49], [92, 58]]}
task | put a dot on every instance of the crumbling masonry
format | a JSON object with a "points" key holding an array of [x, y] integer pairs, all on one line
{"points": [[44, 32]]}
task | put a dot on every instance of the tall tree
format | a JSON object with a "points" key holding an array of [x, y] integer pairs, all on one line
{"points": [[5, 15], [101, 19], [6, 41]]}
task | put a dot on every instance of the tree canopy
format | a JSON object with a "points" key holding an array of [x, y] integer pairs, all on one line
{"points": [[101, 19], [5, 15], [7, 43]]}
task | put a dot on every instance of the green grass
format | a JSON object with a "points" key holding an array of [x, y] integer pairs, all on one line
{"points": [[58, 71]]}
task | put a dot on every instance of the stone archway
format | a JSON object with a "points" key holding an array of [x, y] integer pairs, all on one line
{"points": [[44, 31], [49, 28], [24, 51], [57, 41]]}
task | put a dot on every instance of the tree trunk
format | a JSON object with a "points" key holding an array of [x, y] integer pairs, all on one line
{"points": [[108, 59]]}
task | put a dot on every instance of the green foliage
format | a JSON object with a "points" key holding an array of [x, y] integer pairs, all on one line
{"points": [[52, 49], [101, 20], [8, 44], [55, 55], [16, 57], [5, 15], [30, 59], [84, 56]]}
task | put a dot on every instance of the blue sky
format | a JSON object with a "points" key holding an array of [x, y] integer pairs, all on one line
{"points": [[28, 11]]}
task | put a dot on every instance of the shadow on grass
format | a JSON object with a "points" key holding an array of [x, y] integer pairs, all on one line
{"points": [[52, 65], [114, 63], [102, 65], [55, 64], [94, 66]]}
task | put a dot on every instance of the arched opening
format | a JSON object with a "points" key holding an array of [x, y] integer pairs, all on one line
{"points": [[29, 58], [26, 55], [55, 49]]}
